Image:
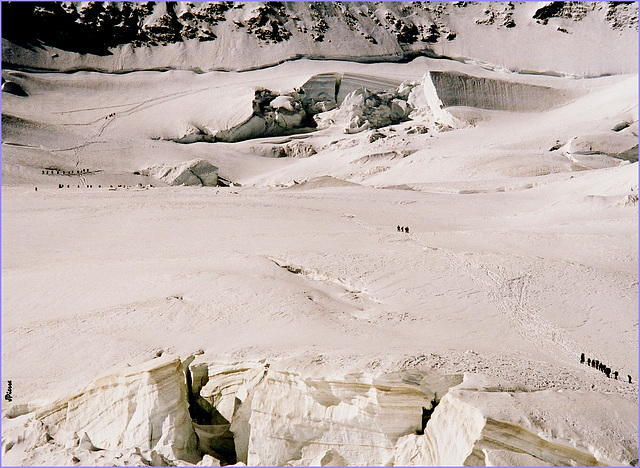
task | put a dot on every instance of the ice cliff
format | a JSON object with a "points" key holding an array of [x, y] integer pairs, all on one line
{"points": [[457, 89], [143, 408], [305, 412]]}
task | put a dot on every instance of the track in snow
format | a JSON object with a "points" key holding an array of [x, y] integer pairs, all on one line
{"points": [[509, 292]]}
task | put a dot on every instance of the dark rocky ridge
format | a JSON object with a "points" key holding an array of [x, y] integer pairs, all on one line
{"points": [[387, 29]]}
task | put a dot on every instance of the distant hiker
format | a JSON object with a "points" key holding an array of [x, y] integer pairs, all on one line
{"points": [[615, 375], [398, 229], [588, 361], [36, 189], [68, 186], [582, 358], [607, 372], [629, 378], [406, 229]]}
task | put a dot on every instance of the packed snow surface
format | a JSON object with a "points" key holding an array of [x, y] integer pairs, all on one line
{"points": [[323, 262]]}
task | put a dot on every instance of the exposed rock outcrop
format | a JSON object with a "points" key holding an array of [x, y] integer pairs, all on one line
{"points": [[126, 36]]}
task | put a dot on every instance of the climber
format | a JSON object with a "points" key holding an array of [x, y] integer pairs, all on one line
{"points": [[406, 229], [615, 375], [588, 361], [399, 228], [582, 358], [629, 378]]}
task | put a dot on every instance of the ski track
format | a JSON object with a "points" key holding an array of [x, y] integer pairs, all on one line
{"points": [[507, 291]]}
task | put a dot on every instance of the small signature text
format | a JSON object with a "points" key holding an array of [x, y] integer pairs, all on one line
{"points": [[7, 396]]}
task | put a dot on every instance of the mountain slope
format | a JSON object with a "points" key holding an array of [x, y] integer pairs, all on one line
{"points": [[233, 36]]}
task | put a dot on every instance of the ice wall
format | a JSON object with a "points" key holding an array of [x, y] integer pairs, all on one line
{"points": [[297, 412], [487, 427], [427, 105], [144, 407], [304, 420], [457, 89], [448, 439], [349, 82]]}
